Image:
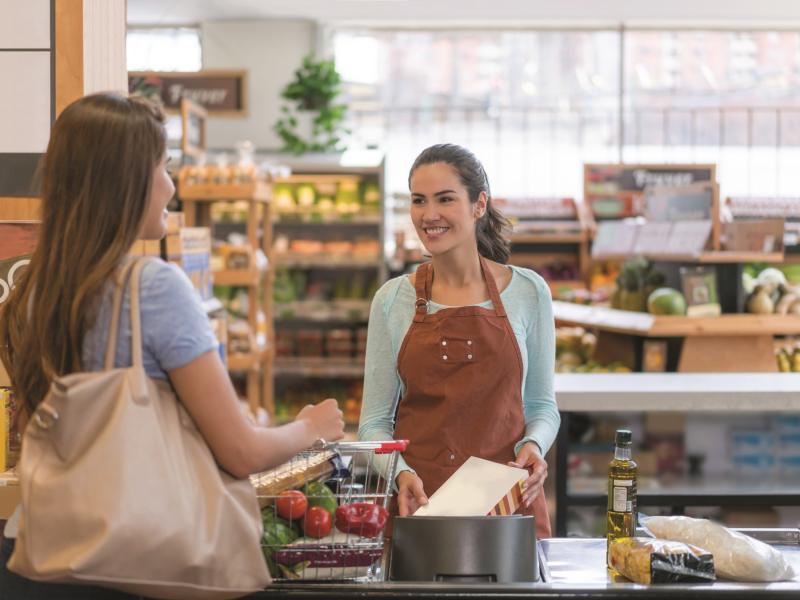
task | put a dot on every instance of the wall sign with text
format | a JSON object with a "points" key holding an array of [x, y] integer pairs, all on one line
{"points": [[615, 191], [221, 93]]}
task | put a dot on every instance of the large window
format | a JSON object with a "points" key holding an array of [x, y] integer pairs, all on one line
{"points": [[164, 49], [536, 105], [533, 105], [728, 97]]}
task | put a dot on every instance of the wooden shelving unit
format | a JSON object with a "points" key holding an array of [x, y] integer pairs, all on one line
{"points": [[330, 306], [710, 257], [326, 262], [197, 200], [319, 367], [541, 239], [242, 277]]}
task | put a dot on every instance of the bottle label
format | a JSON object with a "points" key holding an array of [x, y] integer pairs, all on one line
{"points": [[621, 495]]}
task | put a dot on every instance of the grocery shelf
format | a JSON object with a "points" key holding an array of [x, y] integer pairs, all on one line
{"points": [[319, 367], [300, 221], [326, 262], [647, 325], [547, 238], [240, 363], [214, 192], [725, 393], [341, 310], [241, 277], [691, 491]]}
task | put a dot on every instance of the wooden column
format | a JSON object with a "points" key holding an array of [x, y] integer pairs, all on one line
{"points": [[88, 45]]}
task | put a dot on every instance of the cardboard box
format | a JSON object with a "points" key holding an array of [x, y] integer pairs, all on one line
{"points": [[190, 249], [478, 488]]}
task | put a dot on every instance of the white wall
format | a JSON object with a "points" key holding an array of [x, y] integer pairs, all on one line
{"points": [[270, 51], [480, 12]]}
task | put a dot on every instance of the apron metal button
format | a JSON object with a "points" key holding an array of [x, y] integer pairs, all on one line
{"points": [[444, 357], [444, 342], [469, 342], [452, 457], [469, 356]]}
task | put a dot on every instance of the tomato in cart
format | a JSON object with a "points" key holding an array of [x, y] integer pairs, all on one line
{"points": [[291, 504], [317, 522]]}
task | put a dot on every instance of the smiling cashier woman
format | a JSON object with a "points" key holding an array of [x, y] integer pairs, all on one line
{"points": [[460, 356]]}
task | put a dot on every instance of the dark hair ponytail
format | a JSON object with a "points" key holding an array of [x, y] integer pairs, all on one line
{"points": [[492, 228]]}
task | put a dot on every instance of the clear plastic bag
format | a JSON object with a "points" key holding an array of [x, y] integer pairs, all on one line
{"points": [[736, 555], [647, 560]]}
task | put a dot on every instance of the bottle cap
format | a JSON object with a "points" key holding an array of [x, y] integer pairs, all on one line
{"points": [[623, 437]]}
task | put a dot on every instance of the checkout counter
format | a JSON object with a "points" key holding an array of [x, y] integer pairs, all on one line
{"points": [[569, 568]]}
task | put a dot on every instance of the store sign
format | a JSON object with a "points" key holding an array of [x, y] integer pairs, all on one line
{"points": [[17, 241], [618, 190], [219, 92]]}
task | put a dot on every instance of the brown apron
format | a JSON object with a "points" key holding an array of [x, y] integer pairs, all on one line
{"points": [[462, 372]]}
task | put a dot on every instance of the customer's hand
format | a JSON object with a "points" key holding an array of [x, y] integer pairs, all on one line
{"points": [[410, 493], [325, 420], [530, 457]]}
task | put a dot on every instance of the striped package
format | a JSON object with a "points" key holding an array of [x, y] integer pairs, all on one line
{"points": [[509, 504]]}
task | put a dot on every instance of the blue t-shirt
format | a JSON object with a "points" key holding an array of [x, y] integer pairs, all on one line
{"points": [[175, 328]]}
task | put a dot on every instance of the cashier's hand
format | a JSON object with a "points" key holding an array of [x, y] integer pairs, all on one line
{"points": [[410, 494], [530, 458]]}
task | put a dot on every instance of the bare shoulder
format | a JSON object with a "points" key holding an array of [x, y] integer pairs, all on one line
{"points": [[502, 274]]}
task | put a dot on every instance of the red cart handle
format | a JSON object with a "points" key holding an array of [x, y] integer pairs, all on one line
{"points": [[395, 446]]}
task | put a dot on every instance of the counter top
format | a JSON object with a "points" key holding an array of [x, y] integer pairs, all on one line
{"points": [[689, 392], [576, 569]]}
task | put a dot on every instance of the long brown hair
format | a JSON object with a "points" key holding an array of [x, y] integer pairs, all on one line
{"points": [[95, 184], [492, 229]]}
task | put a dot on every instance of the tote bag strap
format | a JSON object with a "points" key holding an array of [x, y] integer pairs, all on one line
{"points": [[131, 271]]}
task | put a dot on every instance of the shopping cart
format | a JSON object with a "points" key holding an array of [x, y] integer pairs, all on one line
{"points": [[325, 510]]}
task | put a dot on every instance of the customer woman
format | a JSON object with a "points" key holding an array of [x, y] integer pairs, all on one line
{"points": [[460, 355], [105, 185]]}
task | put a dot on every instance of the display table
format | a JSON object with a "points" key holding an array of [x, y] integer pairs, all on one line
{"points": [[725, 394], [575, 569], [728, 343]]}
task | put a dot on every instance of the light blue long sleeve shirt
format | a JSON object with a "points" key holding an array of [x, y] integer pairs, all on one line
{"points": [[529, 308]]}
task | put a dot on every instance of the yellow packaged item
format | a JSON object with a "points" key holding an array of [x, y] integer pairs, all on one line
{"points": [[648, 560]]}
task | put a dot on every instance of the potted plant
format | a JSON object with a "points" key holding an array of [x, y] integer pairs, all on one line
{"points": [[310, 97]]}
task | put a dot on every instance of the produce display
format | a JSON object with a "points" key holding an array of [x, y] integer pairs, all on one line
{"points": [[292, 396], [331, 199], [292, 285], [769, 292], [637, 279], [666, 301], [575, 351], [647, 560], [788, 356]]}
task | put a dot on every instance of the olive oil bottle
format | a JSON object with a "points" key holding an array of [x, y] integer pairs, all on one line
{"points": [[621, 515]]}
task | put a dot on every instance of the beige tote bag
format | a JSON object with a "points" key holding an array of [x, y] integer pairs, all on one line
{"points": [[119, 488]]}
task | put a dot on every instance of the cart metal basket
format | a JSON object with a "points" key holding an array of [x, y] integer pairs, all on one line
{"points": [[324, 511]]}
